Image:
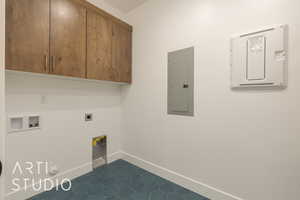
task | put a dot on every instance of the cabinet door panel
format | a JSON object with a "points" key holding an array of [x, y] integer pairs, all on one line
{"points": [[27, 35], [122, 52], [68, 38], [99, 48]]}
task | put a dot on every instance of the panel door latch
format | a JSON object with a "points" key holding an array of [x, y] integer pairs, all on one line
{"points": [[0, 167], [185, 85]]}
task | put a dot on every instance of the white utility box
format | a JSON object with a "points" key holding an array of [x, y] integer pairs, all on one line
{"points": [[22, 123], [260, 58]]}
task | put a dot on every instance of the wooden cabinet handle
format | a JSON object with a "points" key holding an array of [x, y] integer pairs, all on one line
{"points": [[46, 63], [52, 63], [53, 67]]}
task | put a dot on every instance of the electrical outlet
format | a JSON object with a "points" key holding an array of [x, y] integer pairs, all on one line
{"points": [[34, 122], [88, 117]]}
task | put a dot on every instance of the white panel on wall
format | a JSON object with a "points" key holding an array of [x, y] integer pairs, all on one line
{"points": [[23, 123], [260, 58], [181, 82]]}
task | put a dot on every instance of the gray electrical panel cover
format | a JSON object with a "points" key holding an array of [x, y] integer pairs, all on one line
{"points": [[181, 82]]}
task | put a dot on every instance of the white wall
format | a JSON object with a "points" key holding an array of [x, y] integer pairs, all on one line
{"points": [[114, 11], [245, 143], [2, 93], [65, 138]]}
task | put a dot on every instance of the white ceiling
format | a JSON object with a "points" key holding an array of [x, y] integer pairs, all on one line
{"points": [[125, 5]]}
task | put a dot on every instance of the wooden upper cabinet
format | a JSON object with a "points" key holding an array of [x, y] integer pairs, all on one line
{"points": [[99, 48], [68, 38], [122, 52], [27, 35]]}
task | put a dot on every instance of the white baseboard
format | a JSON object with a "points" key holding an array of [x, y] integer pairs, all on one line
{"points": [[69, 174], [186, 182], [115, 156], [193, 185]]}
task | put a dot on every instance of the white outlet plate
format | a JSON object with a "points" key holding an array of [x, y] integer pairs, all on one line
{"points": [[21, 123]]}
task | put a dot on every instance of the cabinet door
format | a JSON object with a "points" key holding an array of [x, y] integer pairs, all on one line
{"points": [[122, 52], [99, 48], [68, 38], [27, 35]]}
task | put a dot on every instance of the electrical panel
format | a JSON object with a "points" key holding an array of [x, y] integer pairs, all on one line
{"points": [[260, 58], [181, 82]]}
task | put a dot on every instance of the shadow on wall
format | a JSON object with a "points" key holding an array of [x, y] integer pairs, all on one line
{"points": [[25, 91]]}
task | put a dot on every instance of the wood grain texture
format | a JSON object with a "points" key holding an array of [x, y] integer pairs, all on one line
{"points": [[68, 38], [27, 35], [114, 19], [99, 48], [122, 53]]}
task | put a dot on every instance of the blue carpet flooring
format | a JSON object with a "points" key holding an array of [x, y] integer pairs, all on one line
{"points": [[121, 181]]}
